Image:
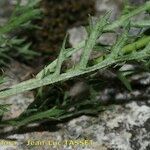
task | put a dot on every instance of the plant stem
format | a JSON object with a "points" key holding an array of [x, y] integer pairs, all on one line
{"points": [[51, 113], [137, 45], [50, 79], [141, 24], [35, 83], [119, 22]]}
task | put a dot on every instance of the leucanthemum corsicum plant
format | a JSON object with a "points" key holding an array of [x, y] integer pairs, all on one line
{"points": [[126, 49], [11, 46]]}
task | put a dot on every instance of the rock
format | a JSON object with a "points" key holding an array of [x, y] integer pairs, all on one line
{"points": [[116, 128], [103, 6], [77, 35], [15, 74]]}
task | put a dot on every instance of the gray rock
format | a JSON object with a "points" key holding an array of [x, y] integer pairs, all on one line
{"points": [[15, 74]]}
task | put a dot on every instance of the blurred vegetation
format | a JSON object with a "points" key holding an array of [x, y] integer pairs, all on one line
{"points": [[11, 46], [52, 102]]}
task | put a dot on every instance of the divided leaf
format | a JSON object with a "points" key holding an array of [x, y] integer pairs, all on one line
{"points": [[91, 41]]}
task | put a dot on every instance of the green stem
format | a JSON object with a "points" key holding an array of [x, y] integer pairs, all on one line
{"points": [[52, 113], [120, 22], [112, 26], [50, 79], [14, 24], [35, 83], [137, 45], [141, 24]]}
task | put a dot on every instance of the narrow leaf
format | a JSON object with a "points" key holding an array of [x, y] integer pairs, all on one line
{"points": [[124, 80], [91, 41], [60, 57]]}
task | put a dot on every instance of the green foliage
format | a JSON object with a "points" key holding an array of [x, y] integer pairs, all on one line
{"points": [[10, 45], [124, 50], [22, 15], [2, 79], [99, 27], [96, 31], [49, 114], [14, 47], [124, 80], [4, 108]]}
